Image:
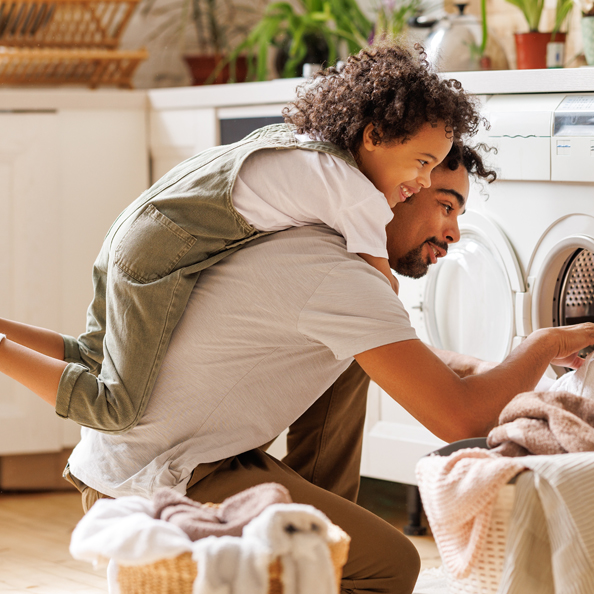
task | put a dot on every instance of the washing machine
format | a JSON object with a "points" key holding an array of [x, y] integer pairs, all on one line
{"points": [[525, 259]]}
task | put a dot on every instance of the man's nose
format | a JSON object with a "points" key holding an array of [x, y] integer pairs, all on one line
{"points": [[452, 233]]}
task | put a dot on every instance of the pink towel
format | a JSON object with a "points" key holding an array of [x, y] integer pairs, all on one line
{"points": [[199, 520], [544, 423], [459, 492]]}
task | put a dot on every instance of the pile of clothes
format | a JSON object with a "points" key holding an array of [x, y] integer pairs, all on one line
{"points": [[550, 543], [233, 544]]}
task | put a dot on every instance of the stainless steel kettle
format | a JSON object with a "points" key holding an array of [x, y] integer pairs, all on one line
{"points": [[454, 44]]}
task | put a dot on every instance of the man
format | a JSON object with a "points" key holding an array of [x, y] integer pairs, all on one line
{"points": [[272, 327], [276, 324]]}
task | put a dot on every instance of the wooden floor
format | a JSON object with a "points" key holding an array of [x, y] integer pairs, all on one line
{"points": [[35, 533]]}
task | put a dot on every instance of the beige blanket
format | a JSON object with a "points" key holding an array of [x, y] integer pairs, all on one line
{"points": [[544, 423], [199, 520]]}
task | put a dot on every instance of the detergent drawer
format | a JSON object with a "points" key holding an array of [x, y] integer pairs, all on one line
{"points": [[572, 143]]}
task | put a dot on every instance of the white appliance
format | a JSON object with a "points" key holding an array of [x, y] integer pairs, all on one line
{"points": [[525, 259]]}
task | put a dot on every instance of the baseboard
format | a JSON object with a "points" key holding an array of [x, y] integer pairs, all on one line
{"points": [[34, 472]]}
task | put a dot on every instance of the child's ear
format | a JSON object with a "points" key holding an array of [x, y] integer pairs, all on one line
{"points": [[368, 141]]}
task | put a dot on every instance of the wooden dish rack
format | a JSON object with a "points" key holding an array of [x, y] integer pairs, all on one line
{"points": [[66, 42]]}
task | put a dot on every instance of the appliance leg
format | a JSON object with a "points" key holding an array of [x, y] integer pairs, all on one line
{"points": [[414, 507]]}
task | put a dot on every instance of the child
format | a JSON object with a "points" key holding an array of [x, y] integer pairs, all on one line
{"points": [[357, 142]]}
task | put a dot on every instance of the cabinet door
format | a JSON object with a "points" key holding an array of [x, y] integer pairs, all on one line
{"points": [[30, 291]]}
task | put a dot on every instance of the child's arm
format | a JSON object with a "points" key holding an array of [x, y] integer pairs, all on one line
{"points": [[32, 356], [383, 266], [42, 340]]}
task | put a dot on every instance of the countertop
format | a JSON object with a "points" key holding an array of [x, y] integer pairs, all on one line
{"points": [[568, 80]]}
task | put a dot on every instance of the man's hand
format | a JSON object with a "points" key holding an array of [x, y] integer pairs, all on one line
{"points": [[569, 340]]}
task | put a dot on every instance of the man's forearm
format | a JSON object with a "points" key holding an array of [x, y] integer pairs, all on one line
{"points": [[462, 365]]}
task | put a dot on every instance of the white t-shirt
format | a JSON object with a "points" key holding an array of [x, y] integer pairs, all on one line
{"points": [[266, 331], [279, 189]]}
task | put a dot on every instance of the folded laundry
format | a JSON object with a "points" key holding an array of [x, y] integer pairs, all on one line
{"points": [[294, 533], [544, 423], [550, 544], [459, 493], [298, 535], [199, 520], [126, 532], [230, 565]]}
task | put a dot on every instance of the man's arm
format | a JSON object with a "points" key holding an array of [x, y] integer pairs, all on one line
{"points": [[457, 408], [462, 365]]}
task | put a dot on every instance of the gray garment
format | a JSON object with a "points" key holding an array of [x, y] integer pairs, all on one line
{"points": [[144, 275], [264, 334]]}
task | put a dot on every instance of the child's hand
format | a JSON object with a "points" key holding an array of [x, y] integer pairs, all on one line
{"points": [[395, 284], [383, 266]]}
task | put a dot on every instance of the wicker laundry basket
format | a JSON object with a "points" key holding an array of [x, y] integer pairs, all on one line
{"points": [[64, 23], [485, 575], [177, 575]]}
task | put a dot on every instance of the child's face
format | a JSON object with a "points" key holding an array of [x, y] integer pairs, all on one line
{"points": [[400, 169]]}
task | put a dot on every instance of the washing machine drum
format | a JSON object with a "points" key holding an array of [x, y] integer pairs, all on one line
{"points": [[573, 302]]}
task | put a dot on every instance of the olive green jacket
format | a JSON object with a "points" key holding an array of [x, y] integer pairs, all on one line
{"points": [[143, 277]]}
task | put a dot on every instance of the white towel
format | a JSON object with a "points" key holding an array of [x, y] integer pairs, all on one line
{"points": [[298, 534], [231, 565], [580, 381], [125, 530]]}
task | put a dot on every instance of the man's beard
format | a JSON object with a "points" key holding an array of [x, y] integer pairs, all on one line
{"points": [[412, 264]]}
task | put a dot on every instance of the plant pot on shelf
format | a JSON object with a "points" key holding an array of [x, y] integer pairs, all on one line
{"points": [[202, 66], [316, 53], [588, 38], [531, 48]]}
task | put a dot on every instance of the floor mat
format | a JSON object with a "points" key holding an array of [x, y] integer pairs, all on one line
{"points": [[431, 581]]}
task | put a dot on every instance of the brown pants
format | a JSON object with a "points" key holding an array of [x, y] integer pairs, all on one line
{"points": [[322, 469]]}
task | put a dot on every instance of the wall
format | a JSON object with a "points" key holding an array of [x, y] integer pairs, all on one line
{"points": [[504, 20], [166, 68], [161, 30]]}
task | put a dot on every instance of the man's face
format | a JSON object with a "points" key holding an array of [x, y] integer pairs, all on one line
{"points": [[425, 225]]}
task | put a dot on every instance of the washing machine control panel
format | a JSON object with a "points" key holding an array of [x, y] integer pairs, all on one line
{"points": [[572, 143], [542, 137]]}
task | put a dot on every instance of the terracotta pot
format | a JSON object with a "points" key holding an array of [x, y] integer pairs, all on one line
{"points": [[202, 66], [531, 48]]}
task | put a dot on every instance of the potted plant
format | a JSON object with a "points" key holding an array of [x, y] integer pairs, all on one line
{"points": [[586, 7], [392, 17], [531, 47], [213, 27], [314, 31]]}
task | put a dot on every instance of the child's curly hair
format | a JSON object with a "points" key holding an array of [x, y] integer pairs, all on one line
{"points": [[389, 86]]}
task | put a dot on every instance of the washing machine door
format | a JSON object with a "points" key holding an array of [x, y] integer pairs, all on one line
{"points": [[472, 294], [561, 273]]}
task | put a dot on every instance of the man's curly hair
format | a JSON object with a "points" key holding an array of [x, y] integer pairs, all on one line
{"points": [[470, 159], [389, 86]]}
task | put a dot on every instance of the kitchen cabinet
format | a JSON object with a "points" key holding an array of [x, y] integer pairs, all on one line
{"points": [[70, 161]]}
